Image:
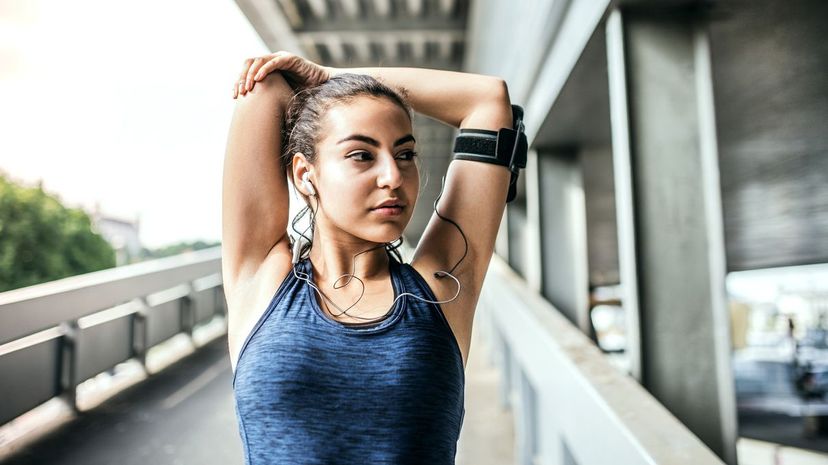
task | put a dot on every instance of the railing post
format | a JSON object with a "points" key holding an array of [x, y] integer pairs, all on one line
{"points": [[188, 312], [68, 364], [140, 333], [221, 303], [524, 415]]}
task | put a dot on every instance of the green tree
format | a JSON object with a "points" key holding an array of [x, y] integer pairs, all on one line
{"points": [[41, 240]]}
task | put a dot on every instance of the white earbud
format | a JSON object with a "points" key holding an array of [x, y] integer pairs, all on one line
{"points": [[307, 184]]}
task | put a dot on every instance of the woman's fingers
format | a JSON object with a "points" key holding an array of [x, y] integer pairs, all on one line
{"points": [[238, 87], [255, 69], [260, 68], [279, 60], [251, 71], [266, 68]]}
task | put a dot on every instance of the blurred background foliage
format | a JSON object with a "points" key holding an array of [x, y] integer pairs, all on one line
{"points": [[42, 240]]}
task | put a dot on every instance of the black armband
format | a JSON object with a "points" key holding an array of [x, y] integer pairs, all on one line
{"points": [[505, 147]]}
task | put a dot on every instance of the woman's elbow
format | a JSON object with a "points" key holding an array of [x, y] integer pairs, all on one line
{"points": [[504, 102], [494, 111]]}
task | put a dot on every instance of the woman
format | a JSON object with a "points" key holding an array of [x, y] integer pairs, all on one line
{"points": [[341, 353]]}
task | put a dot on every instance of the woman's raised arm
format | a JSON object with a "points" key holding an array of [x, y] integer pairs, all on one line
{"points": [[255, 198], [458, 99]]}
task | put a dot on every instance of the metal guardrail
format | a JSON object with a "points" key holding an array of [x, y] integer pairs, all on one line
{"points": [[55, 335], [570, 404]]}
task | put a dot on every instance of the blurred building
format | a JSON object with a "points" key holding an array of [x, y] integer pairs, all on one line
{"points": [[122, 234]]}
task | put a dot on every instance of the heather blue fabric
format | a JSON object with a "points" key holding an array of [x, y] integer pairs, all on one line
{"points": [[311, 390]]}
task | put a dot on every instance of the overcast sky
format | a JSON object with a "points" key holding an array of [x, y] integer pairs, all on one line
{"points": [[123, 103]]}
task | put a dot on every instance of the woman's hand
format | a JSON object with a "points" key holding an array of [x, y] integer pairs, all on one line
{"points": [[297, 71]]}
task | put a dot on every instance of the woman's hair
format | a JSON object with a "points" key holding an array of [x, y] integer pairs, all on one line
{"points": [[303, 120]]}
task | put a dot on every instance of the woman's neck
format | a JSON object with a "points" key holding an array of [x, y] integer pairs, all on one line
{"points": [[331, 260]]}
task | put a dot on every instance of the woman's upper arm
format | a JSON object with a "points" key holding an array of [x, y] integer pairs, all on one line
{"points": [[474, 197], [254, 188]]}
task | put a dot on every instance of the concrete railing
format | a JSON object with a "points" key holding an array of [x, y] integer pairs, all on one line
{"points": [[55, 335], [570, 404]]}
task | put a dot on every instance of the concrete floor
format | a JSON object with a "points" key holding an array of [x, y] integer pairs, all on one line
{"points": [[488, 434]]}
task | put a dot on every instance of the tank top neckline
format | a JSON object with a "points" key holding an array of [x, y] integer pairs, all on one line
{"points": [[389, 319]]}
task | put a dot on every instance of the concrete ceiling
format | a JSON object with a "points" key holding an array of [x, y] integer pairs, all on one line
{"points": [[580, 115], [364, 32]]}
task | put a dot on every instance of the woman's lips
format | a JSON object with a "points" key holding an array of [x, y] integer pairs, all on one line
{"points": [[388, 211]]}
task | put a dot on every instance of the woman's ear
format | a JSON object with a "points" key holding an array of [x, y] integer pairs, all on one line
{"points": [[299, 164], [301, 173]]}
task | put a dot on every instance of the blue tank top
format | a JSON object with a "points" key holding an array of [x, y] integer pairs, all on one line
{"points": [[312, 390]]}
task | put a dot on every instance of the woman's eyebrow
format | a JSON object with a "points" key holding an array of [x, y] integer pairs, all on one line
{"points": [[372, 141]]}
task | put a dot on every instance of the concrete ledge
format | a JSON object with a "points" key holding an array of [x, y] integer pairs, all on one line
{"points": [[586, 411]]}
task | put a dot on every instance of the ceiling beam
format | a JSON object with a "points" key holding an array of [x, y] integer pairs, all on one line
{"points": [[334, 44], [382, 8], [319, 8], [447, 6], [362, 45], [291, 12], [415, 7], [351, 8], [430, 34], [418, 46]]}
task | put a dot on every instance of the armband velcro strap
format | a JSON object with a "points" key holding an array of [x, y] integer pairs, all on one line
{"points": [[506, 147], [477, 145]]}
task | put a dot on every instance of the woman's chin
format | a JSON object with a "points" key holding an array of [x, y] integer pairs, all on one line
{"points": [[388, 232]]}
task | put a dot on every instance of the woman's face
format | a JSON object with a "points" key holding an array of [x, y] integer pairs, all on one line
{"points": [[365, 157]]}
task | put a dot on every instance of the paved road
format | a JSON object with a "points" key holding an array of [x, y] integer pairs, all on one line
{"points": [[782, 429], [182, 415]]}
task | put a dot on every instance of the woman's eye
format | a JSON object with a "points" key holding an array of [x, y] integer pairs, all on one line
{"points": [[357, 155]]}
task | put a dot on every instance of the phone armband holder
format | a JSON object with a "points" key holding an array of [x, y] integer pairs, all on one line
{"points": [[506, 147]]}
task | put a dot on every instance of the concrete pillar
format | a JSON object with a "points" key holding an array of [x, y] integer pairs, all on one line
{"points": [[519, 252], [533, 231], [522, 218], [562, 218], [599, 199], [671, 244]]}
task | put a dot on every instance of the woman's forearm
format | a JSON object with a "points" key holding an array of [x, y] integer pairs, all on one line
{"points": [[458, 99]]}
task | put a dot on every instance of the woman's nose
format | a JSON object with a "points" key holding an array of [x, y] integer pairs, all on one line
{"points": [[390, 174]]}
